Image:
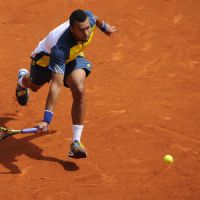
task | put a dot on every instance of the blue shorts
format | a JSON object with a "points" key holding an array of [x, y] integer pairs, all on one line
{"points": [[78, 63], [41, 75]]}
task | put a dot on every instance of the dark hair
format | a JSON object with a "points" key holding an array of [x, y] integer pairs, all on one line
{"points": [[77, 15]]}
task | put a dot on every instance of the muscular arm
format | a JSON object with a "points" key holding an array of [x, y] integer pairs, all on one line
{"points": [[57, 65], [54, 90]]}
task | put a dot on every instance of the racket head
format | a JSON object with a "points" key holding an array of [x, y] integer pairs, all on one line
{"points": [[5, 132]]}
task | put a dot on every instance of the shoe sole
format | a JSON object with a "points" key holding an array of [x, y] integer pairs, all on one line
{"points": [[77, 155], [22, 103]]}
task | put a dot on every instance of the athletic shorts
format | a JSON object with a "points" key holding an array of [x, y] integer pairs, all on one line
{"points": [[41, 75]]}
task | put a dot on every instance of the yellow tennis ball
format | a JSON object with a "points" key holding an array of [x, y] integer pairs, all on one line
{"points": [[168, 159]]}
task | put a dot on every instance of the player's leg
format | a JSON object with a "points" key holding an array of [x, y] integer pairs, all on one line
{"points": [[76, 84], [34, 80], [75, 75], [25, 82]]}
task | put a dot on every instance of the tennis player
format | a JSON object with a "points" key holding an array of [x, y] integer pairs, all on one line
{"points": [[59, 57]]}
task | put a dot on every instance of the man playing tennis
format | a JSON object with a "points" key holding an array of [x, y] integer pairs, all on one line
{"points": [[59, 57]]}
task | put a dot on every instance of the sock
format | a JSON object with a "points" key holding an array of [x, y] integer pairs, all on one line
{"points": [[77, 132], [20, 82]]}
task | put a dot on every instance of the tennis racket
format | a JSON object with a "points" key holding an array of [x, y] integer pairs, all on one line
{"points": [[5, 132]]}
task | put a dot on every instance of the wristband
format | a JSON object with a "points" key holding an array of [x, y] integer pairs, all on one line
{"points": [[48, 115], [104, 27]]}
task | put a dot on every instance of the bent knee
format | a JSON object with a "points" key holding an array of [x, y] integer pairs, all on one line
{"points": [[78, 90], [34, 87]]}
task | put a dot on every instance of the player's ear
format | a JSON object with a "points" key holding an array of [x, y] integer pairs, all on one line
{"points": [[72, 29]]}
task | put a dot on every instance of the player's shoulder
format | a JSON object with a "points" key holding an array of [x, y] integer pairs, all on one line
{"points": [[59, 53], [66, 40], [91, 17]]}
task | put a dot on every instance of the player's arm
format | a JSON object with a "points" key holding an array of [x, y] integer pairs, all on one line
{"points": [[54, 90], [57, 65], [104, 26]]}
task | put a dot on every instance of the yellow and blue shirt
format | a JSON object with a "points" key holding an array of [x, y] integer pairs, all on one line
{"points": [[59, 47]]}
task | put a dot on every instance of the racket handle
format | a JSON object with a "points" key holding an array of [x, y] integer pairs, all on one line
{"points": [[29, 130]]}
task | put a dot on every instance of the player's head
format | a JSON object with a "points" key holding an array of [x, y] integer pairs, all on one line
{"points": [[80, 25]]}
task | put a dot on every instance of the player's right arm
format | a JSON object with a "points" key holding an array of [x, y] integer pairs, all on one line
{"points": [[57, 65]]}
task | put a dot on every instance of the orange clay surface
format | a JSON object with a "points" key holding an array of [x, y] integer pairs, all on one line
{"points": [[143, 101]]}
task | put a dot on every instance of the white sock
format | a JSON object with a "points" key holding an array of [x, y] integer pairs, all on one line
{"points": [[77, 132], [20, 82]]}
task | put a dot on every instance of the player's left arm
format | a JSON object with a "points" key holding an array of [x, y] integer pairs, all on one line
{"points": [[104, 26]]}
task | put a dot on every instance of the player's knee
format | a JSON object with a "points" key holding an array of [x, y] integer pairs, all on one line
{"points": [[78, 90], [34, 88]]}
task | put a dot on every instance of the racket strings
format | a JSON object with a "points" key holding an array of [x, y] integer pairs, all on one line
{"points": [[2, 134]]}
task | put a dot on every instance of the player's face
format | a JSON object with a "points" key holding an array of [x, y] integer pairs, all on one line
{"points": [[81, 31]]}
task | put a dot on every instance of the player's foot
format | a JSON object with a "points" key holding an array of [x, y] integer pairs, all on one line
{"points": [[77, 150], [22, 94]]}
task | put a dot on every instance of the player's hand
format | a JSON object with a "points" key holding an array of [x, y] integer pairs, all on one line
{"points": [[110, 29], [42, 127]]}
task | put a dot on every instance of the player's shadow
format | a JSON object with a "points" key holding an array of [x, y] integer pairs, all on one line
{"points": [[12, 147]]}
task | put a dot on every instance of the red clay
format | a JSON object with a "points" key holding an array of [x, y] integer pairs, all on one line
{"points": [[142, 103]]}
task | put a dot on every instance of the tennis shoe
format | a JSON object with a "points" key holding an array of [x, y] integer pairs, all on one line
{"points": [[22, 94], [77, 150]]}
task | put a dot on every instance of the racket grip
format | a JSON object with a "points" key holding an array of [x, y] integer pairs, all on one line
{"points": [[29, 130]]}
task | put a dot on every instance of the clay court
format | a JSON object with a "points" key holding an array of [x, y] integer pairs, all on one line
{"points": [[143, 101]]}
